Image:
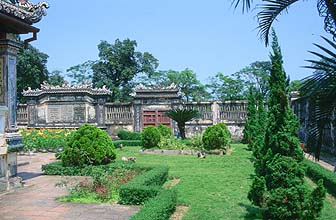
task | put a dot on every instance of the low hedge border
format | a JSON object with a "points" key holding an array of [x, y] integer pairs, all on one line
{"points": [[127, 143], [160, 207], [57, 168], [317, 172], [143, 187]]}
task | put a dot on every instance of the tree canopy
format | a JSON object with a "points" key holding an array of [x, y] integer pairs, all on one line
{"points": [[31, 69], [118, 64]]}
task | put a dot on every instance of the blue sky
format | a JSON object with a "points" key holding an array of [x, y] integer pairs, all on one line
{"points": [[205, 36]]}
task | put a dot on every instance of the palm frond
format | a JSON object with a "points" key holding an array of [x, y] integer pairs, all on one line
{"points": [[246, 4], [270, 10], [182, 115]]}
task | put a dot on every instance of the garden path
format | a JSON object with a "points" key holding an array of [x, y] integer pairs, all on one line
{"points": [[36, 200]]}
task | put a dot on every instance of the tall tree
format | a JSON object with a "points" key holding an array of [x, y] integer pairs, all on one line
{"points": [[80, 73], [256, 74], [279, 184], [31, 69], [227, 88], [56, 78], [118, 64]]}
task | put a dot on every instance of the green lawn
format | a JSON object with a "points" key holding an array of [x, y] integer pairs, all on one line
{"points": [[216, 187]]}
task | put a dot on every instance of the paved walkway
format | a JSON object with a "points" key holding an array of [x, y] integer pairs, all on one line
{"points": [[36, 201], [328, 162]]}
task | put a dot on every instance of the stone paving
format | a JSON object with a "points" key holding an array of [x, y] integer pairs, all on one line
{"points": [[36, 200]]}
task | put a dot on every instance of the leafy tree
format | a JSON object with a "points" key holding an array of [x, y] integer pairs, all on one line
{"points": [[227, 88], [256, 75], [186, 80], [56, 78], [294, 85], [81, 72], [279, 185], [181, 116], [269, 10], [31, 70], [118, 64]]}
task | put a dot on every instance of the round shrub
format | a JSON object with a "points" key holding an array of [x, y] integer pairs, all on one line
{"points": [[150, 137], [88, 145], [226, 130], [165, 131], [128, 135], [215, 137]]}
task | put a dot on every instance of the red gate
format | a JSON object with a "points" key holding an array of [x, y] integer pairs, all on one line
{"points": [[155, 118]]}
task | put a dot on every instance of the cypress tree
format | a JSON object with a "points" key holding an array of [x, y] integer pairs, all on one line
{"points": [[251, 125], [278, 187]]}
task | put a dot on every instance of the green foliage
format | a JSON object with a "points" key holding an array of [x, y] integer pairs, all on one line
{"points": [[150, 137], [279, 159], [128, 135], [159, 208], [128, 143], [181, 116], [144, 186], [317, 172], [31, 70], [251, 125], [88, 145], [44, 139], [172, 144], [118, 64], [80, 73], [56, 78], [165, 131], [196, 142], [216, 137], [257, 192]]}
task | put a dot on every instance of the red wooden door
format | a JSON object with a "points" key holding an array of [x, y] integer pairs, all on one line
{"points": [[155, 118]]}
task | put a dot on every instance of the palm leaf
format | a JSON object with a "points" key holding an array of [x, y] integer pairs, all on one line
{"points": [[320, 90], [246, 4], [268, 14]]}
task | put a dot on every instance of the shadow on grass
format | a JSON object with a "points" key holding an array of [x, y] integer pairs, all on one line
{"points": [[253, 212]]}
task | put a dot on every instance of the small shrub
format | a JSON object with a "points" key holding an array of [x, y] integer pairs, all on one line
{"points": [[196, 142], [150, 137], [128, 135], [165, 131], [215, 137], [172, 144], [89, 145], [159, 208]]}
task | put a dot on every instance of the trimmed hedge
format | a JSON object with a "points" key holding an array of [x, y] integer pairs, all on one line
{"points": [[127, 143], [128, 135], [317, 172], [57, 168], [143, 187], [159, 208]]}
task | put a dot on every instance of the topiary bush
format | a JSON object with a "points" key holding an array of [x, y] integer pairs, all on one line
{"points": [[216, 137], [150, 137], [165, 131], [89, 145], [128, 135]]}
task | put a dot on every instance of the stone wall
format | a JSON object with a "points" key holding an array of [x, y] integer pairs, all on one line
{"points": [[301, 109]]}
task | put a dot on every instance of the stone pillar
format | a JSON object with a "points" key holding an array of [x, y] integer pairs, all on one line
{"points": [[100, 112], [215, 113], [9, 49], [137, 117]]}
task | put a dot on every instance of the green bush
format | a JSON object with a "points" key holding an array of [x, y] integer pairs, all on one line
{"points": [[128, 143], [216, 137], [165, 131], [196, 142], [143, 187], [128, 135], [317, 172], [88, 145], [150, 137], [159, 208]]}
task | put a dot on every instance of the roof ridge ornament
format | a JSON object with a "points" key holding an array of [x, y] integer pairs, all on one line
{"points": [[24, 9]]}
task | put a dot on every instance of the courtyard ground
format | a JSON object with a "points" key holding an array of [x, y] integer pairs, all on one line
{"points": [[37, 199]]}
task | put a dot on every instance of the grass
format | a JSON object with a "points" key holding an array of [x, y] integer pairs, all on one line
{"points": [[214, 188]]}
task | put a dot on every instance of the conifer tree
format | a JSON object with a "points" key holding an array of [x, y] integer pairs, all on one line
{"points": [[278, 187], [251, 124]]}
